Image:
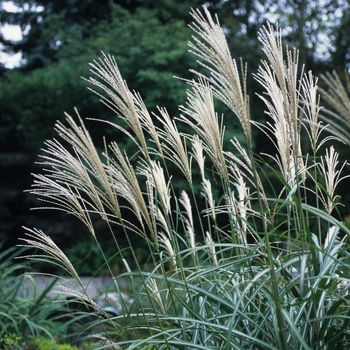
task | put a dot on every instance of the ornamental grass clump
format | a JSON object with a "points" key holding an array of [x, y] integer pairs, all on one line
{"points": [[25, 313], [254, 259]]}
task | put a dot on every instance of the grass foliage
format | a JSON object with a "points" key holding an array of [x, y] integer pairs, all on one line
{"points": [[25, 316], [253, 260]]}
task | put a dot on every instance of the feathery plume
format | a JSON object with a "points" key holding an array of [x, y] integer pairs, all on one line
{"points": [[311, 109], [279, 78], [64, 198], [84, 299], [224, 76], [153, 210], [208, 195], [152, 288], [337, 97], [162, 221], [120, 100], [243, 207], [197, 152], [243, 165], [188, 219], [174, 148], [164, 242], [39, 240], [81, 170], [155, 177], [209, 241], [328, 167], [124, 180], [147, 121], [202, 118]]}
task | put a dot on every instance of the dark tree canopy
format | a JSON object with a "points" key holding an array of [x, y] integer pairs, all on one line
{"points": [[150, 53], [44, 22], [341, 49], [41, 17]]}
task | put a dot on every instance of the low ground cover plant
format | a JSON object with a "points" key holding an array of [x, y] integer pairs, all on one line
{"points": [[25, 317], [254, 259]]}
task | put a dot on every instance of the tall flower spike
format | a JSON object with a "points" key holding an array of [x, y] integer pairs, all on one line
{"points": [[152, 288], [211, 46], [337, 96], [76, 182], [164, 241], [120, 100], [63, 197], [38, 240], [243, 206], [147, 121], [197, 148], [81, 141], [161, 220], [332, 178], [153, 210], [155, 176], [174, 148], [125, 182], [279, 78], [311, 110], [245, 168], [273, 49], [200, 115], [188, 219], [208, 195]]}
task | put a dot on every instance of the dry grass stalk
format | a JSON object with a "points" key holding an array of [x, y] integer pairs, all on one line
{"points": [[337, 95], [211, 47], [202, 118], [279, 79], [152, 287], [173, 145], [126, 184], [120, 99], [39, 240], [332, 177], [338, 98], [187, 218]]}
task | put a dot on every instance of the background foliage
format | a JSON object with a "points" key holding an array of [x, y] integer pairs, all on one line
{"points": [[61, 37]]}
